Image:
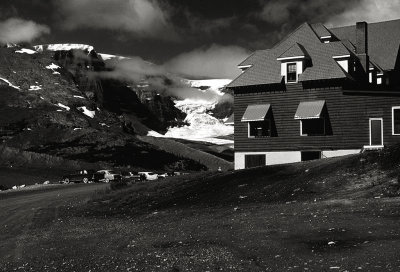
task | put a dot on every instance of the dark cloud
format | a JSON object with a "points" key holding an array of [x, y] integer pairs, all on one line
{"points": [[143, 18], [279, 12], [16, 30], [369, 11]]}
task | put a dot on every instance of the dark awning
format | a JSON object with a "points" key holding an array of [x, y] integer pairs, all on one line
{"points": [[255, 112], [310, 110]]}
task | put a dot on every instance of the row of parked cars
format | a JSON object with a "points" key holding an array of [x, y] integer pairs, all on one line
{"points": [[89, 176]]}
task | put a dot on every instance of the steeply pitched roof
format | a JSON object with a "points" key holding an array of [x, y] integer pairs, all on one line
{"points": [[266, 67], [383, 49], [321, 30], [253, 57], [383, 41], [295, 51]]}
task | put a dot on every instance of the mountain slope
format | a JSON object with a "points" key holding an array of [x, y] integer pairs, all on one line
{"points": [[52, 104]]}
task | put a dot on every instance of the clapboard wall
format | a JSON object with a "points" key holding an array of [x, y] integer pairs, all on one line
{"points": [[349, 113]]}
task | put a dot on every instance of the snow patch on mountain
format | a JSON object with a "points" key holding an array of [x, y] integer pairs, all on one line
{"points": [[109, 56], [52, 66], [202, 126], [10, 84], [87, 112], [26, 51], [34, 88], [63, 106], [209, 85], [62, 47]]}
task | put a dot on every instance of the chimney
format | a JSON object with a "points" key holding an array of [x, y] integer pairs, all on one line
{"points": [[362, 48]]}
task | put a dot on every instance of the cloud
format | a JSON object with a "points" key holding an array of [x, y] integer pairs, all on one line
{"points": [[369, 11], [140, 72], [292, 13], [215, 61], [144, 18], [276, 12], [15, 30], [134, 69]]}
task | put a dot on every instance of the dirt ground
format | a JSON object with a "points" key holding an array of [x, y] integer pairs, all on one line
{"points": [[47, 231]]}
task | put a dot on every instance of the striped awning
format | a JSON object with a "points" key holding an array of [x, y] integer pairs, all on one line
{"points": [[310, 110], [255, 112]]}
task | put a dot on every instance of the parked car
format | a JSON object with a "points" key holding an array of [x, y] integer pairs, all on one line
{"points": [[148, 176], [106, 176], [84, 176], [162, 176], [129, 175]]}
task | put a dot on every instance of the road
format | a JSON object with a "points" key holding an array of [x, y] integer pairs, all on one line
{"points": [[23, 211]]}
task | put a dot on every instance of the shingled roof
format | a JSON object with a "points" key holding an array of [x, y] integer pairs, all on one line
{"points": [[321, 30], [265, 67], [295, 51], [383, 49], [383, 41]]}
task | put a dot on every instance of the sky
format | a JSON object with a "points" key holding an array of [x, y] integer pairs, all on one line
{"points": [[197, 38]]}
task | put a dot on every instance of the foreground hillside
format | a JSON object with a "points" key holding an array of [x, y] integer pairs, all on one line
{"points": [[364, 176], [337, 214]]}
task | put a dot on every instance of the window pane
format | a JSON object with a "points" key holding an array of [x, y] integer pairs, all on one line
{"points": [[259, 129], [291, 67], [313, 127], [291, 72], [396, 121]]}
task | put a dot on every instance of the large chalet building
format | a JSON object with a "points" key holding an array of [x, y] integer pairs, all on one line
{"points": [[319, 93]]}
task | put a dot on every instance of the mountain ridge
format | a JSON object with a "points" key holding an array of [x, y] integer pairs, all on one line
{"points": [[51, 104]]}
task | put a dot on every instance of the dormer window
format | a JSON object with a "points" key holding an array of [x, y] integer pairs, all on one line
{"points": [[291, 72], [326, 39], [244, 67], [293, 62], [343, 61]]}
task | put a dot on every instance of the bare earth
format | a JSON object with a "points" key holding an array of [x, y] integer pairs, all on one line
{"points": [[41, 231]]}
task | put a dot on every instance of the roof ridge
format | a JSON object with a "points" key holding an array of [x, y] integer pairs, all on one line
{"points": [[291, 33]]}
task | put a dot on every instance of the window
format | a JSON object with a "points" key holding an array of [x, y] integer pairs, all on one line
{"points": [[310, 155], [379, 80], [291, 72], [312, 127], [254, 161], [259, 129], [396, 120]]}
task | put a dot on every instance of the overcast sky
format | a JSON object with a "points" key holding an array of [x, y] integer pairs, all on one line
{"points": [[197, 37]]}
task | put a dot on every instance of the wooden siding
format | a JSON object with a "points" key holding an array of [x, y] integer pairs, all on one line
{"points": [[348, 113]]}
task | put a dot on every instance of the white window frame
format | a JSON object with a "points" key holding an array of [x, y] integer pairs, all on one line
{"points": [[254, 137], [287, 70], [394, 108], [301, 127], [370, 138]]}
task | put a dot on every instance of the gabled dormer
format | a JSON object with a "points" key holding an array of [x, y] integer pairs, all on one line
{"points": [[324, 35], [293, 63]]}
